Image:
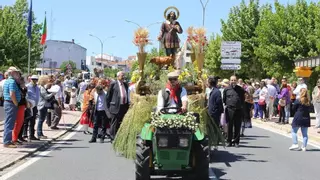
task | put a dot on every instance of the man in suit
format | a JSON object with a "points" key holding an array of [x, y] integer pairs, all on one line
{"points": [[117, 103], [215, 106]]}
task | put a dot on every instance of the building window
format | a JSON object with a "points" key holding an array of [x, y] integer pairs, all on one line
{"points": [[92, 63]]}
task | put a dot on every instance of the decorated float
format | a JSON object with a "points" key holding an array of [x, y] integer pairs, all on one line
{"points": [[147, 86]]}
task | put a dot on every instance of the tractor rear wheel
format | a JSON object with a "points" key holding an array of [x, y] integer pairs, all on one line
{"points": [[142, 160], [202, 159]]}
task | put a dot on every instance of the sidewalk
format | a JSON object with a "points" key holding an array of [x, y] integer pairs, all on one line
{"points": [[9, 156], [312, 133]]}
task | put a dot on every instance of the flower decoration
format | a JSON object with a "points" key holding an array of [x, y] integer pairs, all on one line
{"points": [[141, 39], [187, 121], [197, 39], [135, 76]]}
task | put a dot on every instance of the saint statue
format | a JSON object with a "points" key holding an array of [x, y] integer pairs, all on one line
{"points": [[169, 32]]}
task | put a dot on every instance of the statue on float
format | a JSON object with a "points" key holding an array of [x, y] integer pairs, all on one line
{"points": [[169, 38]]}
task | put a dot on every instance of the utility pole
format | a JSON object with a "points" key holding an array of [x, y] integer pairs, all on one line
{"points": [[204, 6]]}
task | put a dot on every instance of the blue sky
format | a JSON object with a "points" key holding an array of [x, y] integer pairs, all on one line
{"points": [[76, 19]]}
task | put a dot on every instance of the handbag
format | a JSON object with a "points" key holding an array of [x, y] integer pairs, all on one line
{"points": [[262, 102], [282, 102]]}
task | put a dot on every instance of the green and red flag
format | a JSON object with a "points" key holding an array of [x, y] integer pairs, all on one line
{"points": [[44, 32]]}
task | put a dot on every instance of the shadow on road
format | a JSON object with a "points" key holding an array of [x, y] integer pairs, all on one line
{"points": [[254, 147]]}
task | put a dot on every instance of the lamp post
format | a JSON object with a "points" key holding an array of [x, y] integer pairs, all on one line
{"points": [[101, 42]]}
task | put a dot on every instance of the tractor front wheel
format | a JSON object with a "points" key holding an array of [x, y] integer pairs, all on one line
{"points": [[202, 159], [142, 160]]}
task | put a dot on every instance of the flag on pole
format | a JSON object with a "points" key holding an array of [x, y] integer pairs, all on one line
{"points": [[44, 32], [29, 31]]}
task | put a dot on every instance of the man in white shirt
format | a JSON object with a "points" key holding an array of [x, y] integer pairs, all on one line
{"points": [[301, 84], [272, 91], [57, 111], [173, 95]]}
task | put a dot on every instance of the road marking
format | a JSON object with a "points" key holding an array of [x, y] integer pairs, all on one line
{"points": [[284, 134], [38, 156]]}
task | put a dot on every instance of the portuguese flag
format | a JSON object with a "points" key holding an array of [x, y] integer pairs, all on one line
{"points": [[44, 32]]}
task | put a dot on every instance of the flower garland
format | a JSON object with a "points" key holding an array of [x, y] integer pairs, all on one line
{"points": [[187, 121], [197, 39], [141, 39]]}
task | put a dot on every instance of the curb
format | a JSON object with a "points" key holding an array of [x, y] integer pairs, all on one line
{"points": [[285, 129], [46, 143]]}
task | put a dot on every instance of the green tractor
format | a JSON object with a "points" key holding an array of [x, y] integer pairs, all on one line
{"points": [[163, 151]]}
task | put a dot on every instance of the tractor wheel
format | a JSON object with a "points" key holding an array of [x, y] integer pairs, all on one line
{"points": [[142, 160], [202, 159]]}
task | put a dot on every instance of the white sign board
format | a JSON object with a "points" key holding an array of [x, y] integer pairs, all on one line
{"points": [[230, 61], [231, 49], [230, 67]]}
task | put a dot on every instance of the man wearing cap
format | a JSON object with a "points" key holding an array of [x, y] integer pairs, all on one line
{"points": [[173, 95], [12, 97], [34, 95]]}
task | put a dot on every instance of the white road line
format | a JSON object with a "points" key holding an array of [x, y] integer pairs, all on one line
{"points": [[38, 156], [280, 132]]}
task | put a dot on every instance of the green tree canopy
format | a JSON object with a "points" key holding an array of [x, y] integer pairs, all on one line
{"points": [[13, 37]]}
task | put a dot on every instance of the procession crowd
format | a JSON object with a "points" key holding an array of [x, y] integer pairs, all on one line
{"points": [[232, 103], [26, 99], [266, 100]]}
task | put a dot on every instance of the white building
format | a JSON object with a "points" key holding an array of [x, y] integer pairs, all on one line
{"points": [[57, 52], [108, 57]]}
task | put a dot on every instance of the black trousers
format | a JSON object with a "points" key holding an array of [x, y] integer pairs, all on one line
{"points": [[30, 122], [234, 117], [100, 120], [116, 120], [282, 116]]}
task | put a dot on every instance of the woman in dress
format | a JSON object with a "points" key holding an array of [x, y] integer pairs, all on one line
{"points": [[247, 112], [86, 107]]}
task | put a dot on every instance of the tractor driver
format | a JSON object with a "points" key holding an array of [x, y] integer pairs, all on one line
{"points": [[173, 95]]}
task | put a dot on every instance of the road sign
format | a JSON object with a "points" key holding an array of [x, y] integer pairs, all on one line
{"points": [[231, 49], [230, 61], [230, 66]]}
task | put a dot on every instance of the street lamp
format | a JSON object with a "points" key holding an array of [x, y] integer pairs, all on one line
{"points": [[101, 42], [128, 21]]}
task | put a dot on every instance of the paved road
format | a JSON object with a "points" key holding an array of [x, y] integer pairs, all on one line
{"points": [[263, 155]]}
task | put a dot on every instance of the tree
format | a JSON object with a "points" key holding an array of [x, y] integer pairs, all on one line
{"points": [[285, 35], [240, 26], [110, 72], [64, 68], [13, 37]]}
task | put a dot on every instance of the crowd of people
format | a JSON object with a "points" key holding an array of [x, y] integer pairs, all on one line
{"points": [[232, 103], [267, 100]]}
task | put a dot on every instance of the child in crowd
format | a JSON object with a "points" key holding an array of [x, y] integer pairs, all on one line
{"points": [[73, 99]]}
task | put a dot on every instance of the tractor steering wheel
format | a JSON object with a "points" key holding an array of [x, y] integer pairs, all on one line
{"points": [[165, 110]]}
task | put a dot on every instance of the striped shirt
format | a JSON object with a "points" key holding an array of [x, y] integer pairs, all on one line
{"points": [[11, 86]]}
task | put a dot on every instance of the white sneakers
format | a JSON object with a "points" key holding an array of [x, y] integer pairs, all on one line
{"points": [[296, 147]]}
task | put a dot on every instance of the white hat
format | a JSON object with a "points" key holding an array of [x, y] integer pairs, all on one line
{"points": [[13, 69], [173, 74], [73, 87], [34, 77]]}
